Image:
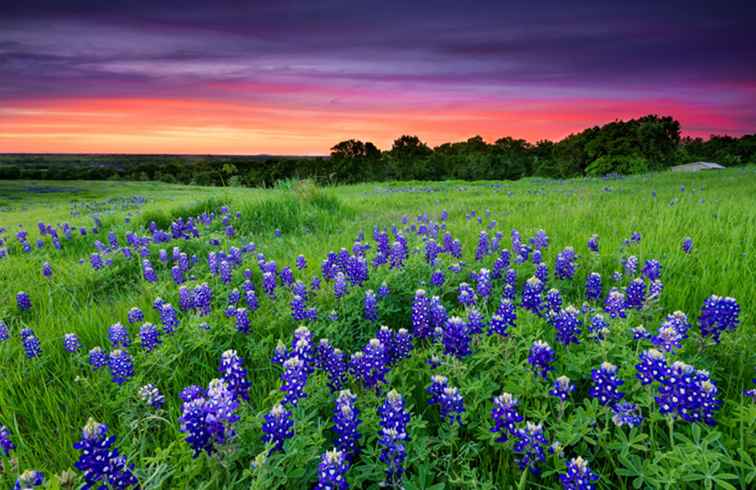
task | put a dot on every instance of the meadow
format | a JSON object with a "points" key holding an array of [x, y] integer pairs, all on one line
{"points": [[394, 241]]}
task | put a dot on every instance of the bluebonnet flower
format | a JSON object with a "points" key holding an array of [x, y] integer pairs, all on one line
{"points": [[393, 434], [177, 274], [121, 366], [370, 306], [97, 358], [4, 332], [636, 294], [147, 270], [652, 269], [540, 357], [579, 476], [436, 388], [339, 285], [717, 315], [635, 237], [293, 380], [203, 297], [679, 321], [208, 418], [688, 393], [631, 265], [687, 245], [242, 320], [501, 263], [432, 250], [567, 325], [438, 315], [119, 336], [554, 300], [332, 361], [6, 444], [150, 394], [402, 344], [540, 240], [29, 480], [640, 333], [421, 315], [465, 294], [504, 318], [186, 299], [483, 246], [484, 285], [437, 278], [278, 427], [95, 260], [456, 337], [655, 289], [46, 269], [667, 338], [224, 270], [626, 413], [542, 272], [298, 306], [565, 265], [100, 461], [269, 284], [71, 342], [562, 388], [287, 277], [346, 423], [398, 255], [531, 295], [593, 243], [280, 353], [593, 286], [332, 470], [302, 347], [475, 321], [234, 374], [606, 384], [383, 290], [505, 416], [617, 276], [615, 304], [530, 444], [31, 343], [168, 318], [449, 400], [149, 336], [370, 365], [135, 315], [23, 301], [598, 327], [300, 262]]}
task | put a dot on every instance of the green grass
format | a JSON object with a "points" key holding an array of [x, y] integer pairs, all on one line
{"points": [[45, 402]]}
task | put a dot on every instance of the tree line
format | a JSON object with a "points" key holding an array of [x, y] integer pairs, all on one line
{"points": [[622, 147]]}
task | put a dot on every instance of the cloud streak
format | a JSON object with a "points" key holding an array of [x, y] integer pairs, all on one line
{"points": [[295, 77]]}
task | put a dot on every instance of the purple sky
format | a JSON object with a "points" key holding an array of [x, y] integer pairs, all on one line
{"points": [[296, 77]]}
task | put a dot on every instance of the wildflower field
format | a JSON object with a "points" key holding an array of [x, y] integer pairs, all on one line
{"points": [[531, 334]]}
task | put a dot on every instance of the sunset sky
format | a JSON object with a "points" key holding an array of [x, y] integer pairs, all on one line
{"points": [[291, 78]]}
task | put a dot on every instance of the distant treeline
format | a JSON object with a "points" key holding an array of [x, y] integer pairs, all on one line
{"points": [[622, 147]]}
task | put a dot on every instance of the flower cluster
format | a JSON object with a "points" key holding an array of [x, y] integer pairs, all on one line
{"points": [[121, 366], [652, 366], [448, 399], [717, 315], [531, 295], [393, 421], [421, 327], [100, 461], [6, 444], [370, 365], [207, 418], [278, 427], [688, 393], [615, 304], [578, 476], [540, 357], [530, 444], [636, 294], [505, 416], [346, 423], [626, 413], [293, 380], [605, 384], [565, 264], [332, 470], [567, 325], [593, 286], [562, 388], [234, 374], [456, 337], [71, 342], [150, 394]]}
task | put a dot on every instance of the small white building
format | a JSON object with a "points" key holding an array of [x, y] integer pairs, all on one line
{"points": [[696, 167]]}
